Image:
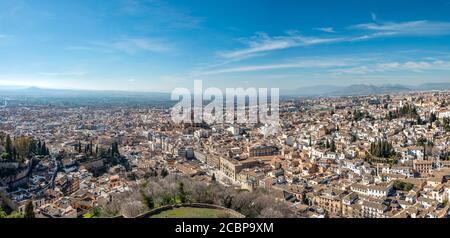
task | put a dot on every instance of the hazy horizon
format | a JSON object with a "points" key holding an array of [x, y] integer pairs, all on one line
{"points": [[18, 87]]}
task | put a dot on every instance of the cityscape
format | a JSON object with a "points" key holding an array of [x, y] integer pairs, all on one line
{"points": [[87, 129], [377, 156]]}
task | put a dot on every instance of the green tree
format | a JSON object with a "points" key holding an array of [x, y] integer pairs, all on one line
{"points": [[167, 200], [4, 156], [9, 146], [2, 213], [39, 147], [181, 193], [433, 117], [44, 150], [382, 149], [32, 148], [164, 173], [29, 210], [15, 215], [403, 186], [227, 201], [149, 202], [22, 145], [446, 124], [333, 146], [115, 149]]}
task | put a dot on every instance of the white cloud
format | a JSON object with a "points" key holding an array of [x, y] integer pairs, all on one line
{"points": [[411, 28], [135, 45], [297, 64], [128, 45], [326, 29], [87, 48], [262, 42], [412, 66], [371, 36], [341, 66]]}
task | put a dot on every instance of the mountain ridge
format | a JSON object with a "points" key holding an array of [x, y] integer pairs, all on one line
{"points": [[309, 91], [367, 89]]}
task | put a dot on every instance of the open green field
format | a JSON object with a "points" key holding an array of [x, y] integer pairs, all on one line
{"points": [[191, 212]]}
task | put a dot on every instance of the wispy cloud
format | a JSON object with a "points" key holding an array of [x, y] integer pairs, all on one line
{"points": [[410, 28], [135, 45], [412, 66], [91, 48], [342, 65], [262, 42], [326, 29], [289, 65], [209, 66], [126, 45]]}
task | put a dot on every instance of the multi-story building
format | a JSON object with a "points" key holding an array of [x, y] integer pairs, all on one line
{"points": [[263, 150]]}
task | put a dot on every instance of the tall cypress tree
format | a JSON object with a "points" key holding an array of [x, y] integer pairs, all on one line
{"points": [[9, 147], [333, 146], [29, 210], [44, 149], [39, 147]]}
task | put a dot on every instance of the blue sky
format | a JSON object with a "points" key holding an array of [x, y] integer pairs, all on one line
{"points": [[156, 45]]}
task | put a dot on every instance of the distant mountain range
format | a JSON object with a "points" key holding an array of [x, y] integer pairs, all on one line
{"points": [[319, 90], [363, 89]]}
